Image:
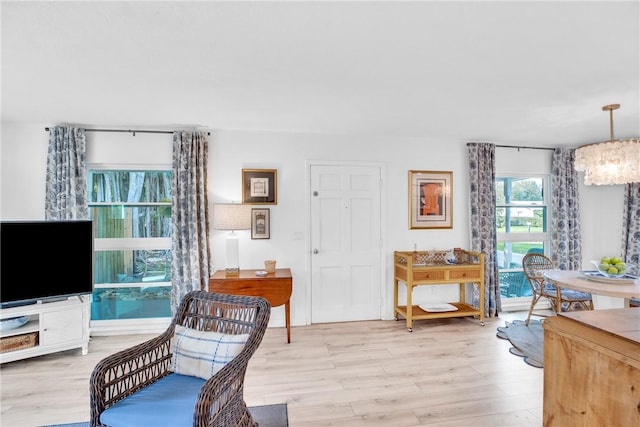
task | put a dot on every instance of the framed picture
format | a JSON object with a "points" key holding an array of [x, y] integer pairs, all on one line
{"points": [[430, 199], [259, 186], [260, 223]]}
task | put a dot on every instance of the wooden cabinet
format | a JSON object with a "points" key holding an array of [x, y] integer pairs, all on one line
{"points": [[420, 268], [592, 368], [53, 326], [274, 287]]}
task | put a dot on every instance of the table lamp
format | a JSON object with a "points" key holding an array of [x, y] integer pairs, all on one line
{"points": [[232, 216]]}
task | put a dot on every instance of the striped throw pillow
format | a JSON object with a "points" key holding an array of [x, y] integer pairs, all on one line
{"points": [[203, 353]]}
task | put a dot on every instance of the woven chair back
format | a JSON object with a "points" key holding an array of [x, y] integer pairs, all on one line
{"points": [[534, 266]]}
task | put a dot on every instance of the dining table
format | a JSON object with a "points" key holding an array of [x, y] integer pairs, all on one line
{"points": [[589, 282]]}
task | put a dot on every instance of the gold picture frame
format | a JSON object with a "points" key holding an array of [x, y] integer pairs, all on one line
{"points": [[260, 186], [430, 199]]}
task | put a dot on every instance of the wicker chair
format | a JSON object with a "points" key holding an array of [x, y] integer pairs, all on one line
{"points": [[220, 401], [534, 266]]}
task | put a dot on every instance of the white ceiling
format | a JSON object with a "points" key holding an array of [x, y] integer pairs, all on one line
{"points": [[512, 72]]}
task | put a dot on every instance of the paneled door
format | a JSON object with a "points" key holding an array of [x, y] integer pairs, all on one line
{"points": [[346, 245]]}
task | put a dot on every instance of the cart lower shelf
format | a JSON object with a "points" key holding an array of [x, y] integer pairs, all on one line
{"points": [[463, 310]]}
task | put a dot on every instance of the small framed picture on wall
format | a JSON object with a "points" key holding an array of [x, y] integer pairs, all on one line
{"points": [[430, 199], [259, 186], [260, 223]]}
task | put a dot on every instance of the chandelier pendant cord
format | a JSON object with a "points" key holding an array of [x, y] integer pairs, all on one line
{"points": [[610, 108]]}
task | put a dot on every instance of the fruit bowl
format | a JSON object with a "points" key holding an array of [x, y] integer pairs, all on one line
{"points": [[613, 267]]}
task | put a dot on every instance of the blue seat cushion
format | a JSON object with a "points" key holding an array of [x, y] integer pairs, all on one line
{"points": [[169, 402], [567, 294]]}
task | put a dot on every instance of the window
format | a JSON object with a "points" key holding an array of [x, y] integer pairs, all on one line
{"points": [[131, 212], [521, 227]]}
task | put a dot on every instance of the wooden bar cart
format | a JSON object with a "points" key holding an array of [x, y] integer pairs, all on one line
{"points": [[419, 268]]}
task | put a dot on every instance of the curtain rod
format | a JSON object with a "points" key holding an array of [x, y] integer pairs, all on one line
{"points": [[132, 131], [524, 146]]}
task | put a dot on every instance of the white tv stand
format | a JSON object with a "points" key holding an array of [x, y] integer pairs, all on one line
{"points": [[59, 325]]}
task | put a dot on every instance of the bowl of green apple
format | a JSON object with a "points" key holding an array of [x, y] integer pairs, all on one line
{"points": [[612, 267]]}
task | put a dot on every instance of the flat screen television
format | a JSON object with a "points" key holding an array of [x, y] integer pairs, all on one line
{"points": [[45, 261]]}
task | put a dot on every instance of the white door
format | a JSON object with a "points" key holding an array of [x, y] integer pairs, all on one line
{"points": [[346, 243]]}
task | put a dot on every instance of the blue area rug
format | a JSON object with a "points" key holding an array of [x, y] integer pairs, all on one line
{"points": [[265, 416], [527, 341]]}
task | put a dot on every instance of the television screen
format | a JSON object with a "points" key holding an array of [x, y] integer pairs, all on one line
{"points": [[45, 260]]}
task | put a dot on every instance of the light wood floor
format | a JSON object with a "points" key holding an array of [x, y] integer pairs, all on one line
{"points": [[450, 372]]}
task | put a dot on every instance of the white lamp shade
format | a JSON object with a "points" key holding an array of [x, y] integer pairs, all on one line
{"points": [[231, 216]]}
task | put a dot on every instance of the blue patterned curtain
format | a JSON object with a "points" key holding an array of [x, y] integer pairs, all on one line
{"points": [[566, 245], [190, 228], [631, 224], [482, 201], [66, 180], [631, 229]]}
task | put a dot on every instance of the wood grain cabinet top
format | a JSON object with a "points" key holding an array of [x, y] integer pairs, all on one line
{"points": [[592, 368]]}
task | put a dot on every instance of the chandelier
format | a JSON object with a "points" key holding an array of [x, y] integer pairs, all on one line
{"points": [[611, 162]]}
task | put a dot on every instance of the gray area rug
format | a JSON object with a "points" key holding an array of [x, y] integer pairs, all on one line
{"points": [[527, 341], [265, 416]]}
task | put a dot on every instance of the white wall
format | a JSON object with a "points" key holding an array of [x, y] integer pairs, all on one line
{"points": [[601, 210], [23, 152], [23, 156]]}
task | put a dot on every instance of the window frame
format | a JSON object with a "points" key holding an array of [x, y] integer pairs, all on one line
{"points": [[528, 237], [519, 303], [137, 325]]}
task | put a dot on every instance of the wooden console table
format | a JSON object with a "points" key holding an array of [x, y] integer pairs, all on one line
{"points": [[429, 268], [274, 287], [592, 368]]}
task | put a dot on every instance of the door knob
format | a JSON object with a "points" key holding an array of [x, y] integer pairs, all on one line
{"points": [[315, 251]]}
